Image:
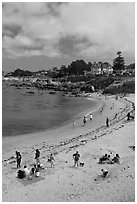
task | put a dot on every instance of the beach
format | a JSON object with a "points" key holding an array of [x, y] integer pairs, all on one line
{"points": [[65, 182]]}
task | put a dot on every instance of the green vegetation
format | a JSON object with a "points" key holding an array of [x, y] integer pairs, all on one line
{"points": [[125, 88]]}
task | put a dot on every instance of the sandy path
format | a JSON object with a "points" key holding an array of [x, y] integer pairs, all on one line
{"points": [[66, 183]]}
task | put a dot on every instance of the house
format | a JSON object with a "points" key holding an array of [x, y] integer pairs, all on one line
{"points": [[107, 68], [96, 68]]}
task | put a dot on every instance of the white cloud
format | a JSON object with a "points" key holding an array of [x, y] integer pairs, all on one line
{"points": [[41, 26]]}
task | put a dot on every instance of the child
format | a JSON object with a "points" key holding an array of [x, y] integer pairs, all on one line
{"points": [[105, 172]]}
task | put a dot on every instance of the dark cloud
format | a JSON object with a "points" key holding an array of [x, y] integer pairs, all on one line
{"points": [[72, 45], [54, 7], [11, 30]]}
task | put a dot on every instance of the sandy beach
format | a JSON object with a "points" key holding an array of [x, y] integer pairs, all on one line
{"points": [[65, 182]]}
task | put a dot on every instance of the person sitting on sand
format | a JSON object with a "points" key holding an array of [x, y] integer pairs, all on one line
{"points": [[51, 160], [103, 158], [27, 172], [109, 160], [76, 157], [105, 172], [37, 157], [33, 169], [116, 159]]}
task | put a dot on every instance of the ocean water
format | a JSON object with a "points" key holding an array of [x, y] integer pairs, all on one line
{"points": [[24, 113]]}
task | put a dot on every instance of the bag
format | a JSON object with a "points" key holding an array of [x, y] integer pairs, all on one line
{"points": [[20, 174]]}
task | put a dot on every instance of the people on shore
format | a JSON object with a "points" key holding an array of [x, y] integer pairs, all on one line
{"points": [[76, 157], [107, 159], [18, 158], [107, 122], [37, 157]]}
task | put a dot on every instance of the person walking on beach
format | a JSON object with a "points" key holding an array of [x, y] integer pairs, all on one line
{"points": [[51, 159], [18, 158], [76, 157], [84, 120], [90, 117], [74, 123], [107, 122], [37, 157]]}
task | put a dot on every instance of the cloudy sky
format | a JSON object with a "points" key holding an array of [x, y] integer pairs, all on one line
{"points": [[42, 35]]}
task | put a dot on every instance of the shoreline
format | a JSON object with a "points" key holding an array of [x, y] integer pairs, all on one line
{"points": [[91, 142], [66, 132], [44, 117], [11, 140]]}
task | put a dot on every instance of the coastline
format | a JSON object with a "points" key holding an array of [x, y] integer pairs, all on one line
{"points": [[71, 138], [15, 141]]}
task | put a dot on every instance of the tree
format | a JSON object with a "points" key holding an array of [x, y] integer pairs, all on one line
{"points": [[118, 63]]}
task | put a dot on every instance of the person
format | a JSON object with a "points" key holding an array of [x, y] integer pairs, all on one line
{"points": [[105, 172], [103, 158], [27, 172], [128, 116], [37, 171], [76, 157], [84, 120], [91, 117], [18, 158], [116, 159], [51, 160], [20, 174], [107, 122], [37, 157], [33, 169], [109, 161], [74, 123]]}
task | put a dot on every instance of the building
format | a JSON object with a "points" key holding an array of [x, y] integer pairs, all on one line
{"points": [[107, 68], [98, 68]]}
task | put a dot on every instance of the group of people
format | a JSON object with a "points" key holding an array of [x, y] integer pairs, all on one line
{"points": [[35, 170], [85, 119], [107, 159]]}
